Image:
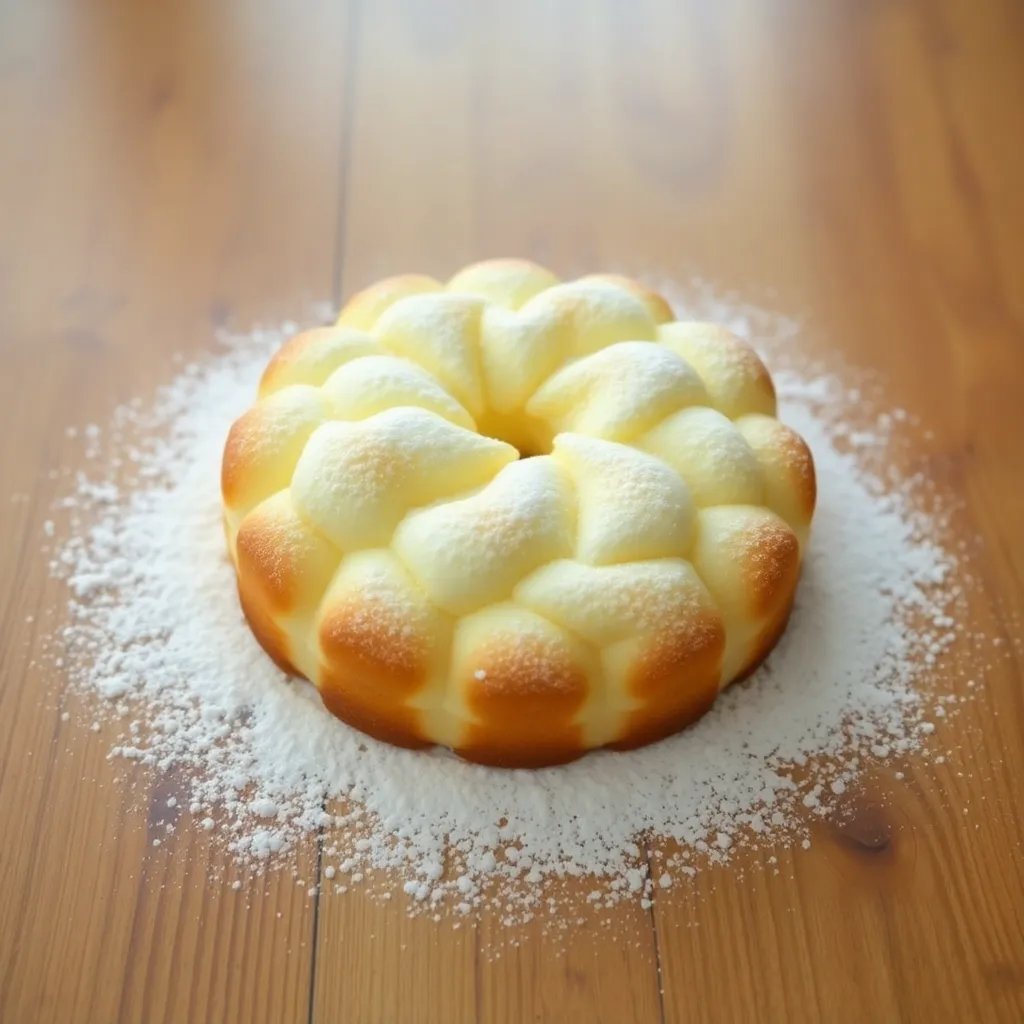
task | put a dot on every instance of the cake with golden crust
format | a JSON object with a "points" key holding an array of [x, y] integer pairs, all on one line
{"points": [[516, 517]]}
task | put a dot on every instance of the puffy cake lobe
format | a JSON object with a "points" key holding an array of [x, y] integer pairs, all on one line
{"points": [[291, 565], [617, 392], [660, 633], [632, 507], [504, 283], [736, 379], [364, 308], [470, 553], [594, 314], [264, 445], [373, 384], [710, 454], [788, 470], [283, 569], [441, 333], [518, 352], [355, 482], [524, 683], [379, 639], [657, 308], [665, 680], [749, 561], [312, 356], [518, 517], [605, 604]]}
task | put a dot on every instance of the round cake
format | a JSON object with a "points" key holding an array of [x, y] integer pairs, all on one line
{"points": [[516, 517]]}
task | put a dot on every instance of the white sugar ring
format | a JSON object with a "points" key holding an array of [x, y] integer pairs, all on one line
{"points": [[395, 546]]}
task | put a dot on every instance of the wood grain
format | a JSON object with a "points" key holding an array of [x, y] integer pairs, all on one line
{"points": [[168, 168], [168, 171]]}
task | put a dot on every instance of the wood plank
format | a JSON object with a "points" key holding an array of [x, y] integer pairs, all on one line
{"points": [[170, 170], [599, 966], [173, 168], [913, 910], [684, 137], [441, 174], [907, 910], [376, 963]]}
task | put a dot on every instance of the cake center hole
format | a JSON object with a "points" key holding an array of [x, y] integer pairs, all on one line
{"points": [[530, 437]]}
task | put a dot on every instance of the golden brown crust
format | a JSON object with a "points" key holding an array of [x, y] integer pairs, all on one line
{"points": [[352, 699], [688, 657], [677, 679], [260, 563], [311, 356], [269, 635], [766, 641], [291, 352], [281, 560], [800, 464], [788, 467], [236, 461], [524, 693], [264, 444], [372, 663], [531, 754], [651, 725], [742, 354], [773, 568], [738, 381], [370, 640]]}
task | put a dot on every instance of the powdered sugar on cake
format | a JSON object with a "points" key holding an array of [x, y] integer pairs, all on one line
{"points": [[156, 634]]}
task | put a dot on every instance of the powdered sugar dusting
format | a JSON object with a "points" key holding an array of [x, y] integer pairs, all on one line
{"points": [[156, 633]]}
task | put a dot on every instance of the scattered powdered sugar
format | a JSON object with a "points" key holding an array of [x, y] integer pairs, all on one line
{"points": [[156, 632]]}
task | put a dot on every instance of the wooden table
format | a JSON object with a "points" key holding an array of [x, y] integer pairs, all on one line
{"points": [[167, 168]]}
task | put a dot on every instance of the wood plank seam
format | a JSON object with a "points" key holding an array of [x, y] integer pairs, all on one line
{"points": [[654, 928], [350, 53]]}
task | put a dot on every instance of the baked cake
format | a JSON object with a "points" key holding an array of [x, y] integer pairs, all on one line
{"points": [[517, 517]]}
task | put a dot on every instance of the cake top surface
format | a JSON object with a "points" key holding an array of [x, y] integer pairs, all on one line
{"points": [[534, 471]]}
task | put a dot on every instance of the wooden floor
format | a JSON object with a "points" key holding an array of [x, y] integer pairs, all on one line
{"points": [[166, 168]]}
